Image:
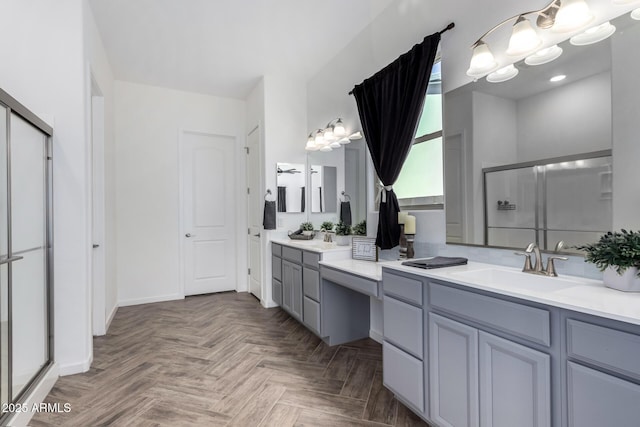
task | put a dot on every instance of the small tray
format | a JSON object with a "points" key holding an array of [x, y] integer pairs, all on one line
{"points": [[302, 236]]}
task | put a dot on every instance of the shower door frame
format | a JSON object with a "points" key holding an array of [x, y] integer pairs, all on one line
{"points": [[15, 107], [540, 214]]}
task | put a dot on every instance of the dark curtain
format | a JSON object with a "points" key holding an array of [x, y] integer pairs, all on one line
{"points": [[282, 199], [389, 105], [303, 201]]}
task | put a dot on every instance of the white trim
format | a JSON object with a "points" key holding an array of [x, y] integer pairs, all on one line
{"points": [[110, 318], [75, 368], [376, 336], [149, 300], [39, 393]]}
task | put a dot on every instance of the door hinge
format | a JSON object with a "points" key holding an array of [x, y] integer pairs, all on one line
{"points": [[246, 149], [249, 271], [248, 231], [248, 190]]}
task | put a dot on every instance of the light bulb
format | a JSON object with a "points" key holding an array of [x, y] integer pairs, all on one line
{"points": [[482, 61], [524, 38]]}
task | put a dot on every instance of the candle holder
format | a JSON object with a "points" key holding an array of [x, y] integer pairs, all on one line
{"points": [[403, 243], [409, 246]]}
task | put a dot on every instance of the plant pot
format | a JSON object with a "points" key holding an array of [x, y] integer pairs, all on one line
{"points": [[343, 240], [626, 282], [307, 232]]}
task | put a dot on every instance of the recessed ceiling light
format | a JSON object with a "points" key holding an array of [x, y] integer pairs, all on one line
{"points": [[557, 78]]}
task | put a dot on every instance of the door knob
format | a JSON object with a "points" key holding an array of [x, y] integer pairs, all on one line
{"points": [[190, 235], [95, 246], [256, 235]]}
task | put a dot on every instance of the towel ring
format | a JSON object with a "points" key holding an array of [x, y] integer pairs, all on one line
{"points": [[347, 198], [268, 193]]}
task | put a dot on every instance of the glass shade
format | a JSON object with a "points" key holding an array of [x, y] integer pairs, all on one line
{"points": [[503, 74], [524, 38], [572, 15], [338, 129], [635, 14], [544, 56], [593, 35], [482, 61]]}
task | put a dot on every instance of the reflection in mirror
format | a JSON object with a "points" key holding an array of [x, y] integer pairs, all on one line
{"points": [[324, 189], [291, 187], [530, 118], [355, 179]]}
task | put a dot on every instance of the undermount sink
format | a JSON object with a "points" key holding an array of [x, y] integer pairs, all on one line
{"points": [[515, 279]]}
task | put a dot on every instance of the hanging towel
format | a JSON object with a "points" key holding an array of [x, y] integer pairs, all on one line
{"points": [[282, 199], [269, 218], [345, 212]]}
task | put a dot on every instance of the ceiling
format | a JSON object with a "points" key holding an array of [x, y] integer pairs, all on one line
{"points": [[223, 47]]}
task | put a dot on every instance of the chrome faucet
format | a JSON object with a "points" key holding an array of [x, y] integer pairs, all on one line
{"points": [[537, 268]]}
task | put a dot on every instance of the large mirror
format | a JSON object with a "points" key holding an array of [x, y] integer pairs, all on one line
{"points": [[291, 181], [543, 146], [323, 190]]}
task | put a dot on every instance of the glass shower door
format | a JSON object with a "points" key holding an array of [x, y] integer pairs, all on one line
{"points": [[4, 267], [29, 311]]}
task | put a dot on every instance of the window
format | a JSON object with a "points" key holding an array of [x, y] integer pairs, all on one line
{"points": [[420, 184]]}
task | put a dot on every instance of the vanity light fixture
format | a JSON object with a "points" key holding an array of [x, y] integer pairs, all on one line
{"points": [[503, 74], [557, 78], [559, 16], [635, 14], [333, 136], [623, 1], [544, 56], [593, 34]]}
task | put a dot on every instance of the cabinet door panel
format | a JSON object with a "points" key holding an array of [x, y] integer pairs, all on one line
{"points": [[311, 283], [515, 384], [276, 268], [296, 288], [287, 285], [312, 315], [402, 325], [403, 374], [276, 289], [453, 372], [597, 399]]}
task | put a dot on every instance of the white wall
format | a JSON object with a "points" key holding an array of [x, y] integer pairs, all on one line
{"points": [[148, 121], [100, 70], [44, 68]]}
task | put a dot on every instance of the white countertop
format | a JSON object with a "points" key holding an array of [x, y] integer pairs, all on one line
{"points": [[568, 292], [367, 269], [314, 245]]}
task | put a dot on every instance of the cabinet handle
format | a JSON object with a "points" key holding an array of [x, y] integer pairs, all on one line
{"points": [[12, 259]]}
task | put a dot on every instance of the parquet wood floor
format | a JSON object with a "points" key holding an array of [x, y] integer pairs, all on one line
{"points": [[223, 360]]}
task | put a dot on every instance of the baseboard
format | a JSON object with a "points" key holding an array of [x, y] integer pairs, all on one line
{"points": [[110, 318], [149, 300], [75, 368], [37, 396], [375, 335], [268, 304]]}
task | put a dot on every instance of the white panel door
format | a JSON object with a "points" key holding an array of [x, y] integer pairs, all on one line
{"points": [[254, 212], [209, 225]]}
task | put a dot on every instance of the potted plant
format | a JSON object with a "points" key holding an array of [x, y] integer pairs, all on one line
{"points": [[617, 254], [307, 228], [360, 229], [326, 226], [342, 234]]}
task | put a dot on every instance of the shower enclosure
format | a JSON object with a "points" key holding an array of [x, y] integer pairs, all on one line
{"points": [[562, 199], [26, 334]]}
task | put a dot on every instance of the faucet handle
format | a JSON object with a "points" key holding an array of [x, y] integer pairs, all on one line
{"points": [[559, 246], [551, 267], [527, 261]]}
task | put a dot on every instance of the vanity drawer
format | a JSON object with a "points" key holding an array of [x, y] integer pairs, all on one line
{"points": [[311, 316], [311, 283], [357, 283], [276, 290], [605, 347], [402, 287], [291, 254], [276, 249], [311, 259], [402, 325], [403, 374], [276, 267], [530, 323]]}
